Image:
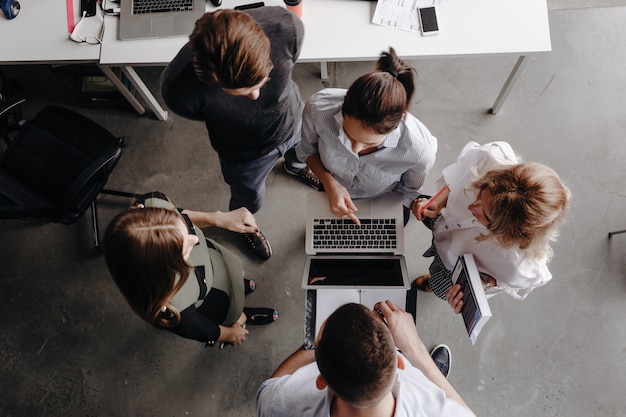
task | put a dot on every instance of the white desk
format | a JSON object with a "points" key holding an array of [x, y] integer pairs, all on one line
{"points": [[335, 30], [39, 35], [341, 30]]}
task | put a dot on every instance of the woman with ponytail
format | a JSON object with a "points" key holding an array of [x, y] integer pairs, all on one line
{"points": [[363, 142]]}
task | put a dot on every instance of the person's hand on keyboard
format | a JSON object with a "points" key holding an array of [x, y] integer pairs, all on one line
{"points": [[341, 205]]}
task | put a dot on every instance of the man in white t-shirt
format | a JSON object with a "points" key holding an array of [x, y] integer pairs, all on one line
{"points": [[356, 369]]}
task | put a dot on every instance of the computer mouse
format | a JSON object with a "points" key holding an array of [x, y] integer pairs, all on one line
{"points": [[216, 3]]}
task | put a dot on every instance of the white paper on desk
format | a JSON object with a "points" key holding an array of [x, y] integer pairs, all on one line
{"points": [[373, 296], [329, 300], [401, 14]]}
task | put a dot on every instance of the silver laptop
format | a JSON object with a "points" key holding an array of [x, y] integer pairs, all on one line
{"points": [[381, 229], [349, 263], [145, 19], [343, 255]]}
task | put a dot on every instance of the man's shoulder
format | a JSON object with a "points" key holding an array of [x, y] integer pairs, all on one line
{"points": [[268, 12], [294, 394], [420, 396], [179, 64], [302, 377], [275, 19]]}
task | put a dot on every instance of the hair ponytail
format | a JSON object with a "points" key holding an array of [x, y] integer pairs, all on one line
{"points": [[380, 98], [390, 63]]}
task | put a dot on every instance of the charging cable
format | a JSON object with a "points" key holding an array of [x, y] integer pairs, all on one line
{"points": [[89, 29], [111, 11]]}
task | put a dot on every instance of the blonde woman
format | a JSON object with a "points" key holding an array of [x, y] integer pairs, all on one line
{"points": [[504, 212]]}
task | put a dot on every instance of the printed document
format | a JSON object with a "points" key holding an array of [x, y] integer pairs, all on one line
{"points": [[402, 14]]}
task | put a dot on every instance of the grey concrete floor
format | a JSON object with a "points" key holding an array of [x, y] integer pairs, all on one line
{"points": [[72, 347]]}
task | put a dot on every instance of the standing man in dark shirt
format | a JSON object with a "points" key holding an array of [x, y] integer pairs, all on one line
{"points": [[235, 75]]}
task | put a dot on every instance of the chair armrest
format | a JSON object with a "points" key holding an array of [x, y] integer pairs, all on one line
{"points": [[5, 108], [11, 119], [94, 169]]}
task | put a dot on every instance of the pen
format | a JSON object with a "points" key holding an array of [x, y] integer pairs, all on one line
{"points": [[380, 313], [432, 200]]}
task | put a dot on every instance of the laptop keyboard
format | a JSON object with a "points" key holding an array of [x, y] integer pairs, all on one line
{"points": [[160, 6], [344, 234]]}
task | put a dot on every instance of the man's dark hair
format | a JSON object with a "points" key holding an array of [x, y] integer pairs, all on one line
{"points": [[356, 355], [230, 49]]}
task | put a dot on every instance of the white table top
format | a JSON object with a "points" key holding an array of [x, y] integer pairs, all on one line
{"points": [[341, 30], [39, 34]]}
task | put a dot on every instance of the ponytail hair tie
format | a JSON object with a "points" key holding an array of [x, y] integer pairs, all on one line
{"points": [[392, 72]]}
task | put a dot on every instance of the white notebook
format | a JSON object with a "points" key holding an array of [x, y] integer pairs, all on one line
{"points": [[329, 300]]}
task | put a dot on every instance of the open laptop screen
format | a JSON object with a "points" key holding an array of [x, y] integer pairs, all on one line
{"points": [[354, 272]]}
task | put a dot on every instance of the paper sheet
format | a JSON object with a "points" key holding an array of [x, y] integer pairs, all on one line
{"points": [[329, 300], [402, 14]]}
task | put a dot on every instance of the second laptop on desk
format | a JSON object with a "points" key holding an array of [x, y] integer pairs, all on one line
{"points": [[146, 19]]}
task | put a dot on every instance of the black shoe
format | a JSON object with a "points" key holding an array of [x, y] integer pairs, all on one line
{"points": [[306, 176], [258, 244], [443, 358], [260, 315]]}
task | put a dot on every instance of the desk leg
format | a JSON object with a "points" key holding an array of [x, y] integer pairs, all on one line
{"points": [[508, 85], [141, 89], [144, 92], [122, 89], [323, 70]]}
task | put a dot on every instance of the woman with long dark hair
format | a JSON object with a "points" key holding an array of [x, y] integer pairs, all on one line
{"points": [[175, 278]]}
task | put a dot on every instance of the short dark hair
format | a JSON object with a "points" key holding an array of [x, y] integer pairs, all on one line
{"points": [[356, 355], [230, 49], [380, 98]]}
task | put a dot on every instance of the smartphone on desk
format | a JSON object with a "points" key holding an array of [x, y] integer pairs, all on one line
{"points": [[428, 21], [250, 6]]}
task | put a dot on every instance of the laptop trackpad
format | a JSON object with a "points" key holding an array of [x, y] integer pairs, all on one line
{"points": [[162, 25]]}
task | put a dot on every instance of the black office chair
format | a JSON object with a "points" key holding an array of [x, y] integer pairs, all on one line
{"points": [[55, 166]]}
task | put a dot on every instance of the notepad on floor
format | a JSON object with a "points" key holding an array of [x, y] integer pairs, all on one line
{"points": [[476, 311]]}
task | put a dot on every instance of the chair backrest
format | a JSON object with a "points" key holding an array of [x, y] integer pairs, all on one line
{"points": [[60, 159]]}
